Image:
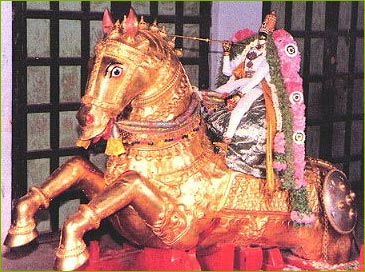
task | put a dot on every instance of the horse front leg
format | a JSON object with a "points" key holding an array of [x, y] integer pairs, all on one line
{"points": [[76, 171], [130, 189]]}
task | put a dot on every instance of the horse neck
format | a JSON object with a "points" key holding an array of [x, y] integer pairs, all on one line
{"points": [[166, 98], [168, 113]]}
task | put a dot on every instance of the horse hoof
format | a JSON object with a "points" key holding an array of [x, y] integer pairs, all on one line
{"points": [[67, 260], [19, 236]]}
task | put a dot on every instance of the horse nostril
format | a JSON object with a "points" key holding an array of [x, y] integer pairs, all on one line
{"points": [[89, 118]]}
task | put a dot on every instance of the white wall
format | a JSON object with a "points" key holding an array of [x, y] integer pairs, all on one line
{"points": [[227, 18], [6, 96]]}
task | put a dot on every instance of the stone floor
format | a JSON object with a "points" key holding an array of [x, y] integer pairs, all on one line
{"points": [[31, 257], [41, 256]]}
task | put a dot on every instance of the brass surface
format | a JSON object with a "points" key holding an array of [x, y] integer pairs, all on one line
{"points": [[24, 230], [169, 189], [338, 202]]}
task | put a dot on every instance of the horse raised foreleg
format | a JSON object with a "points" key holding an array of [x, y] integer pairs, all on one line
{"points": [[131, 188], [76, 171]]}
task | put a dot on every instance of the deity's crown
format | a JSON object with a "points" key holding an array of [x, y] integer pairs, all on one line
{"points": [[269, 23]]}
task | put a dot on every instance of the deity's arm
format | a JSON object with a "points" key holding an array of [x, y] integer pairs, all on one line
{"points": [[232, 85], [227, 70], [230, 65]]}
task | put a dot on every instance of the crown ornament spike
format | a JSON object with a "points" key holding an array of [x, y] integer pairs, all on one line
{"points": [[118, 25], [130, 25], [123, 23], [116, 30], [163, 32], [179, 52], [154, 26], [171, 43], [142, 25], [107, 22]]}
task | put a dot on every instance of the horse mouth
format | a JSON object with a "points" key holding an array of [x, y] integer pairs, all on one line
{"points": [[95, 124], [94, 135]]}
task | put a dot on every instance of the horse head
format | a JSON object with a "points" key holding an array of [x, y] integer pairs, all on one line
{"points": [[134, 63]]}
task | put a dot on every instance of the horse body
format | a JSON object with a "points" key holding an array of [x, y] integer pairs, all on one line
{"points": [[169, 189]]}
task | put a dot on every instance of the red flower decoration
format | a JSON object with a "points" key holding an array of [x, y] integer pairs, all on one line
{"points": [[242, 34]]}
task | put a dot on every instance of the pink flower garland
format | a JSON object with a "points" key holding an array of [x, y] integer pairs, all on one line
{"points": [[290, 64], [279, 143], [302, 218], [279, 166]]}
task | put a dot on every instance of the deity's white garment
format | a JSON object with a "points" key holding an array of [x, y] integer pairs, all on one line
{"points": [[249, 87]]}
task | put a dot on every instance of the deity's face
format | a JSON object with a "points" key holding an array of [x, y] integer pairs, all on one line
{"points": [[256, 51]]}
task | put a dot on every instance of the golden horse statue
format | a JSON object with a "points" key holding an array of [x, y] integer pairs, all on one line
{"points": [[169, 188]]}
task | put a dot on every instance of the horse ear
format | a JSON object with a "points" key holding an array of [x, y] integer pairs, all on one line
{"points": [[131, 24], [107, 21]]}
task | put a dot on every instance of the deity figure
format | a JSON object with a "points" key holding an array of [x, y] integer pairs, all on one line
{"points": [[245, 81], [248, 124]]}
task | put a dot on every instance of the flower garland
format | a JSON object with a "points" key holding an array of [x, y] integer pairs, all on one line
{"points": [[288, 53], [288, 148]]}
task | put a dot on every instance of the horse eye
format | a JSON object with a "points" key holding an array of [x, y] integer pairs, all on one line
{"points": [[116, 71]]}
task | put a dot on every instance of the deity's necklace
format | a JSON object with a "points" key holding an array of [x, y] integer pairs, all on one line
{"points": [[251, 55]]}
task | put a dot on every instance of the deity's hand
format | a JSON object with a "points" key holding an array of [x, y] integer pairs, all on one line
{"points": [[209, 93], [227, 140], [227, 45]]}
